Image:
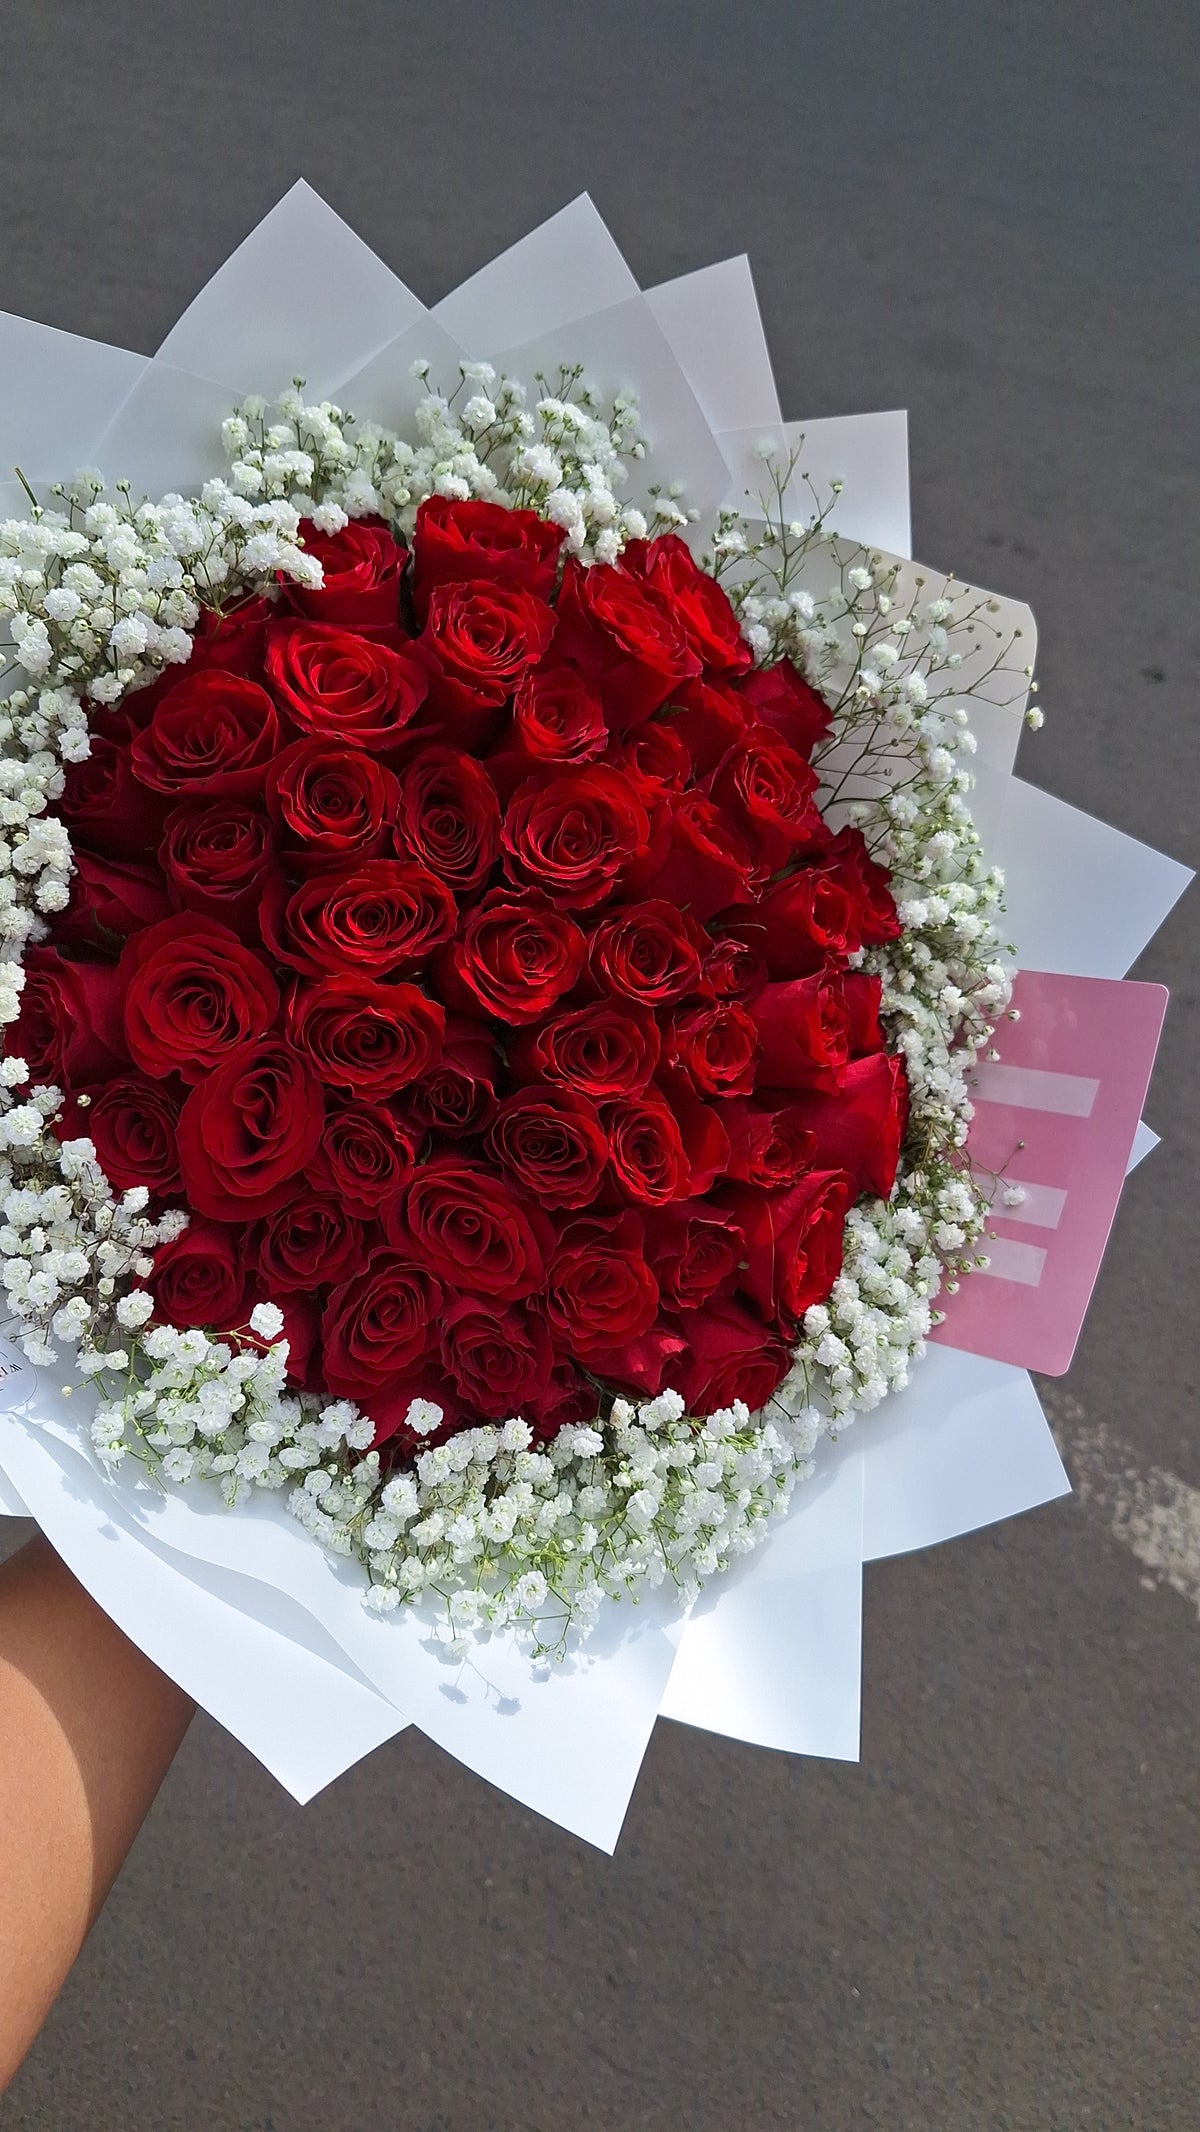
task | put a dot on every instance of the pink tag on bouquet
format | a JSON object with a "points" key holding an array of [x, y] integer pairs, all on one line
{"points": [[1069, 1084]]}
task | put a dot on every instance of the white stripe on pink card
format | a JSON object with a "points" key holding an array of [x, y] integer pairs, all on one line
{"points": [[1069, 1084]]}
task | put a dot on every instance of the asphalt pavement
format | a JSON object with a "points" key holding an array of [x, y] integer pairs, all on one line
{"points": [[988, 215]]}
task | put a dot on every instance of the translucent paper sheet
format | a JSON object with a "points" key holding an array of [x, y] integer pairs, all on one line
{"points": [[240, 1607]]}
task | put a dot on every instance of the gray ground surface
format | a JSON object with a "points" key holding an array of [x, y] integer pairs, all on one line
{"points": [[982, 214]]}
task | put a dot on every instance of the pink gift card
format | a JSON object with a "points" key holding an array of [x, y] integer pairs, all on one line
{"points": [[1056, 1114]]}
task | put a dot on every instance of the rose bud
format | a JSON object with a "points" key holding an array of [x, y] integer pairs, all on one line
{"points": [[772, 1148], [379, 1323], [248, 1130], [793, 1241], [499, 1359], [551, 1144], [366, 1154], [648, 952], [380, 916], [624, 638], [457, 543], [193, 994], [332, 684], [861, 1128], [716, 1047], [217, 859], [804, 1030], [212, 733], [693, 1252], [70, 1029], [731, 1355], [600, 1291], [368, 1038], [469, 1228], [647, 1160], [779, 698], [330, 805], [131, 1122], [514, 956], [480, 640], [603, 1051], [201, 1279], [569, 833], [360, 567], [312, 1240], [449, 817], [109, 900], [556, 719]]}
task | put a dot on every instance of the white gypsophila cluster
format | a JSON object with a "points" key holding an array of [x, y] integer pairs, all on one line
{"points": [[495, 1528], [564, 458]]}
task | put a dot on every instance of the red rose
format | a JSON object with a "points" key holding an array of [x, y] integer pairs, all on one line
{"points": [[449, 817], [380, 1322], [568, 1397], [806, 921], [70, 1029], [364, 1157], [600, 1292], [656, 755], [131, 1121], [707, 865], [708, 718], [705, 1140], [459, 1095], [793, 1241], [641, 1365], [551, 1144], [371, 1039], [201, 1278], [780, 699], [217, 859], [556, 718], [716, 1047], [514, 956], [648, 952], [247, 1132], [212, 732], [102, 804], [602, 1051], [731, 1355], [469, 1228], [109, 900], [362, 566], [804, 1029], [732, 968], [624, 638], [234, 641], [378, 917], [570, 832], [869, 886], [646, 1153], [862, 1127], [767, 789], [862, 995], [334, 685], [772, 1148], [331, 805], [302, 1331], [699, 606], [499, 1359], [461, 543], [309, 1241], [482, 639], [193, 994], [693, 1251]]}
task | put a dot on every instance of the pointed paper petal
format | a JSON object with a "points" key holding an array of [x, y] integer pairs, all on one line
{"points": [[966, 1445], [384, 390], [772, 1651], [1145, 1140], [303, 296], [562, 270], [57, 392], [868, 454], [711, 320], [304, 1718], [166, 438], [626, 347], [1080, 896]]}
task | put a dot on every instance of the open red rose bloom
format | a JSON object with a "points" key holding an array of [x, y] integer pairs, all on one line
{"points": [[462, 946]]}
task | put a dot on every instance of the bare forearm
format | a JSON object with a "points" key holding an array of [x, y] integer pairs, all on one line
{"points": [[88, 1729]]}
